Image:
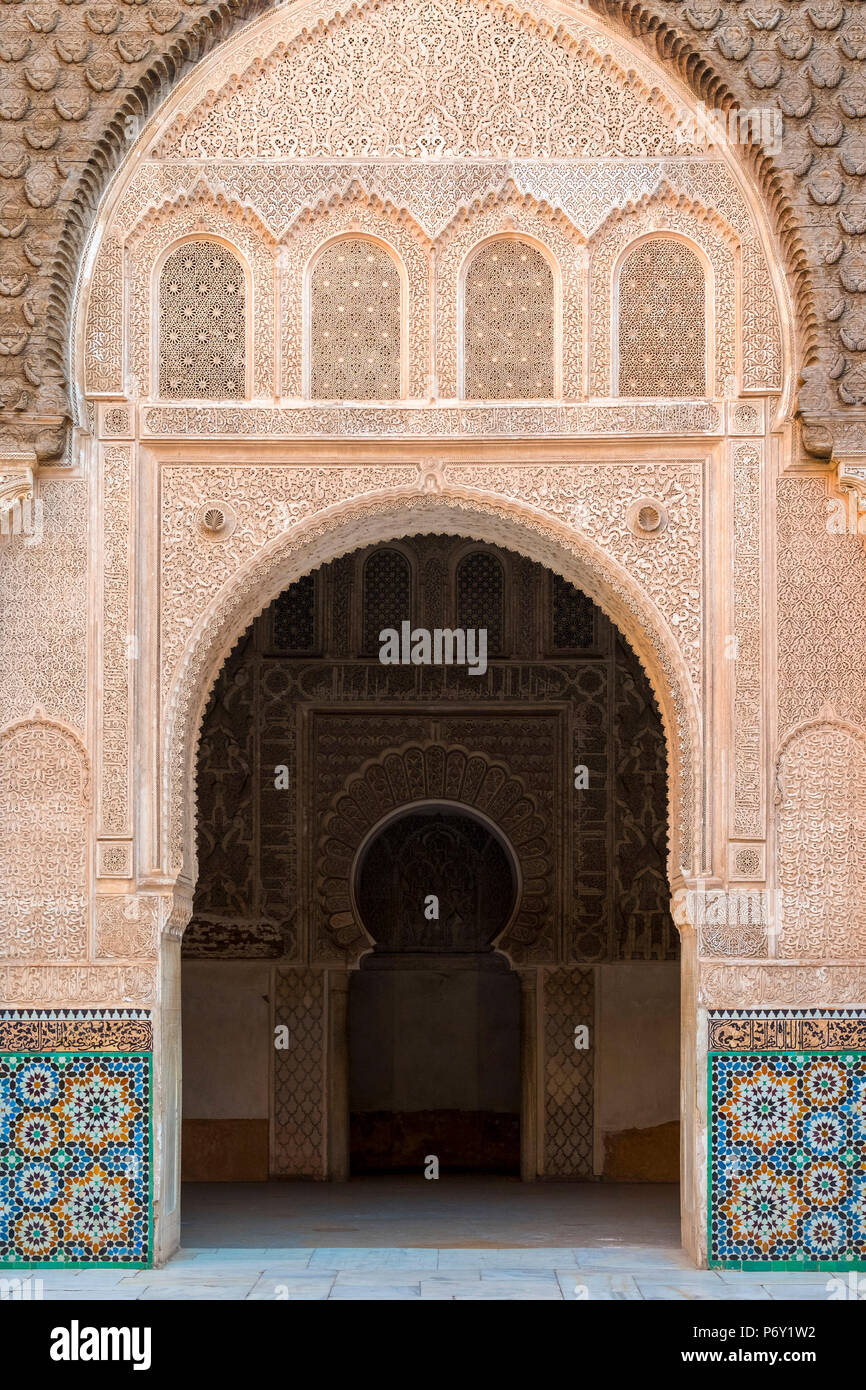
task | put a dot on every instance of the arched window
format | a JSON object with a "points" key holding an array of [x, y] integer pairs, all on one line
{"points": [[481, 597], [573, 616], [662, 321], [387, 594], [294, 616], [202, 324], [508, 323], [356, 317]]}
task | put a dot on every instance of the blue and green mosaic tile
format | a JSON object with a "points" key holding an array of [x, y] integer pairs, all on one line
{"points": [[787, 1162], [75, 1159]]}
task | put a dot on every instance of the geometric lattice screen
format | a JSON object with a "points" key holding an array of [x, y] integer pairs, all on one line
{"points": [[508, 323], [355, 323], [481, 597], [662, 328], [202, 310], [387, 595]]}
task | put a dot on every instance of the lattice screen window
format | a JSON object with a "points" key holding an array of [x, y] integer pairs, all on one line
{"points": [[573, 616], [662, 321], [387, 594], [481, 597], [508, 323], [202, 324], [294, 616], [355, 323]]}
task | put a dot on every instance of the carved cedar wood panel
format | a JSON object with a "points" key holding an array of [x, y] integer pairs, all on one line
{"points": [[491, 744]]}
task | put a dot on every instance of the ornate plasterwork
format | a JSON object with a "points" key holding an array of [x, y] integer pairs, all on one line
{"points": [[744, 984], [761, 331], [77, 984], [450, 774], [468, 421], [115, 708], [267, 502], [510, 212], [433, 191], [103, 334], [596, 500], [821, 624], [745, 653], [43, 609], [44, 842], [661, 330], [95, 75], [200, 213], [127, 927], [341, 529], [392, 79], [821, 781], [355, 211], [664, 211]]}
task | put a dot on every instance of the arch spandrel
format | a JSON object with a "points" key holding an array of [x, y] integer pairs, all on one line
{"points": [[328, 535], [431, 183], [407, 97]]}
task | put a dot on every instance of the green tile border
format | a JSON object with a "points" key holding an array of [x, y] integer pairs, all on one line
{"points": [[75, 1265], [800, 1266]]}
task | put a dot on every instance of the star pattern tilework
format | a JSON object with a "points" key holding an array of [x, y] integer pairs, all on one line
{"points": [[787, 1170], [75, 1159]]}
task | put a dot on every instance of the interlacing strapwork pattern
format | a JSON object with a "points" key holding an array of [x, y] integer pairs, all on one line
{"points": [[202, 337], [298, 1120], [662, 327], [294, 616], [355, 322], [508, 319], [573, 616], [387, 594], [569, 998], [481, 597]]}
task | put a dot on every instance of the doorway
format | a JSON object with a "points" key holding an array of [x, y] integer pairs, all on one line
{"points": [[434, 1011]]}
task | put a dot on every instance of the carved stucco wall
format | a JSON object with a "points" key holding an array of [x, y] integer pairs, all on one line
{"points": [[71, 74], [267, 209], [822, 823], [77, 83]]}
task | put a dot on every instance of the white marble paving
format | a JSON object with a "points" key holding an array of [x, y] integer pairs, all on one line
{"points": [[563, 1274]]}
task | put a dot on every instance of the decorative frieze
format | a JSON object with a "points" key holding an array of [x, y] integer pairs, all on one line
{"points": [[805, 986], [117, 638], [745, 652], [684, 418]]}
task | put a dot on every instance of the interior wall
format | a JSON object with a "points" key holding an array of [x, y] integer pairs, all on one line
{"points": [[226, 1067], [304, 695], [434, 1068], [637, 1092]]}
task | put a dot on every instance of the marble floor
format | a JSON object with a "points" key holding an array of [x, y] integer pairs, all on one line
{"points": [[455, 1210], [354, 1273], [404, 1238]]}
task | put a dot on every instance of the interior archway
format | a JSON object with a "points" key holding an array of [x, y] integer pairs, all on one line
{"points": [[434, 1013], [341, 796]]}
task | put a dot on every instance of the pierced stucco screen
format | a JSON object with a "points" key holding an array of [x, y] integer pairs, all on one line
{"points": [[202, 337], [662, 321], [355, 323], [481, 596], [508, 323]]}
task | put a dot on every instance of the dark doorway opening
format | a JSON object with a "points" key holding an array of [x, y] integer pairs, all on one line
{"points": [[434, 1012]]}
